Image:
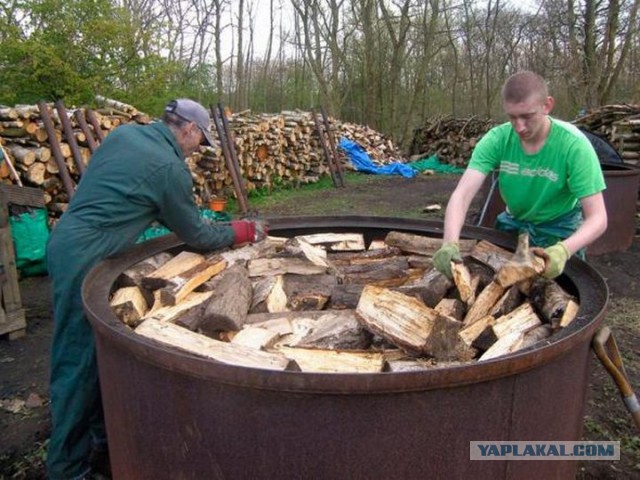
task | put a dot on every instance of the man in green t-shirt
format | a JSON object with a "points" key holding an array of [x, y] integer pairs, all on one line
{"points": [[549, 178]]}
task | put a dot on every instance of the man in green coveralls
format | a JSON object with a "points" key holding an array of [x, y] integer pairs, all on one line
{"points": [[136, 176], [549, 178]]}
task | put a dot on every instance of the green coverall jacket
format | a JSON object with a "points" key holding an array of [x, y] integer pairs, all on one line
{"points": [[136, 176]]}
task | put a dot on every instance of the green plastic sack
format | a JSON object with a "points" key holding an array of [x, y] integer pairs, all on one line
{"points": [[30, 233]]}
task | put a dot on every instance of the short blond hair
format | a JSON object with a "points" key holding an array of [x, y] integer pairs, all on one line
{"points": [[520, 86]]}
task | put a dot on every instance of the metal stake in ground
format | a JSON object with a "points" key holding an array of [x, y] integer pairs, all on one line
{"points": [[88, 134], [93, 120], [323, 144], [55, 148], [224, 144], [332, 144], [70, 137], [234, 156]]}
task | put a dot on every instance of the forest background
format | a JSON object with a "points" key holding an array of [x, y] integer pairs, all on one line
{"points": [[389, 64]]}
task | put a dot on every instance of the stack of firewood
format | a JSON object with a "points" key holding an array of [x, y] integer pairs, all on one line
{"points": [[325, 303], [619, 124], [282, 149], [451, 139]]}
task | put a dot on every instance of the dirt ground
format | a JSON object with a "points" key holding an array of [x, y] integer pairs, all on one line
{"points": [[24, 420]]}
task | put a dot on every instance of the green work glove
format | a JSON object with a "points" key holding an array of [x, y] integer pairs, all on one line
{"points": [[449, 252], [555, 257]]}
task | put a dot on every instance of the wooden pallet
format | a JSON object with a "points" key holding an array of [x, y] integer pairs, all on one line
{"points": [[12, 316]]}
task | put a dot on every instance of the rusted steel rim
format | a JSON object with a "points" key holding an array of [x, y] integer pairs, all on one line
{"points": [[579, 278]]}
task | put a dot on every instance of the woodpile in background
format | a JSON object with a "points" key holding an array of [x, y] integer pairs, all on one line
{"points": [[619, 124], [273, 149], [451, 139], [326, 303]]}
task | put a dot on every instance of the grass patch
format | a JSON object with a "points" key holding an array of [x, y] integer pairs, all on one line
{"points": [[623, 312]]}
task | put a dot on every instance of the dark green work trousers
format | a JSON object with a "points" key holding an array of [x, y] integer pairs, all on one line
{"points": [[76, 408], [547, 233]]}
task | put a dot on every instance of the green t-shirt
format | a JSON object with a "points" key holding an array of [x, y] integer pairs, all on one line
{"points": [[542, 186]]}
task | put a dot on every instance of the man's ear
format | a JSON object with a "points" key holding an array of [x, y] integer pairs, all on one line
{"points": [[548, 105]]}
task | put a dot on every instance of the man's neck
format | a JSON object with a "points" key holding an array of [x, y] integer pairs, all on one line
{"points": [[534, 145]]}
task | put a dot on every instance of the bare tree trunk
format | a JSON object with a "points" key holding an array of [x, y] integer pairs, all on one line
{"points": [[240, 80], [454, 51], [267, 56], [217, 40], [397, 26]]}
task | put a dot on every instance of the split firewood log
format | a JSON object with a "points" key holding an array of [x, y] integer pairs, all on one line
{"points": [[490, 254], [508, 302], [451, 307], [307, 292], [129, 305], [551, 301], [338, 330], [484, 303], [472, 332], [260, 267], [523, 265], [536, 335], [334, 361], [464, 283], [385, 271], [368, 256], [345, 296], [229, 304], [256, 337], [183, 313], [182, 284], [522, 319], [408, 323], [176, 266], [430, 288], [303, 249], [509, 343], [183, 339], [422, 245], [133, 276], [336, 242]]}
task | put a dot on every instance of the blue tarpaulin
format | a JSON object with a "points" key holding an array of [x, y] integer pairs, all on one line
{"points": [[363, 163]]}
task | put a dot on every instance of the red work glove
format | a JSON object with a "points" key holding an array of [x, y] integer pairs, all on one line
{"points": [[247, 231]]}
